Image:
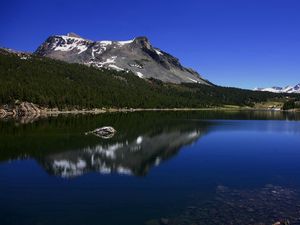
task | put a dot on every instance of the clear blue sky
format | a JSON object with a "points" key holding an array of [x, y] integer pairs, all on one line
{"points": [[241, 43]]}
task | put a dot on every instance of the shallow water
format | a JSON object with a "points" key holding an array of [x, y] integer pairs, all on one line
{"points": [[189, 167]]}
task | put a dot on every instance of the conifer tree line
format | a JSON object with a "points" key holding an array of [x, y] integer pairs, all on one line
{"points": [[52, 83]]}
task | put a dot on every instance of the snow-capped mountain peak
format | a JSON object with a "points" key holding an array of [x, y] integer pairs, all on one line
{"points": [[287, 89], [136, 55]]}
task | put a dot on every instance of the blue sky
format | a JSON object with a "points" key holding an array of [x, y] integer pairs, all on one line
{"points": [[241, 43]]}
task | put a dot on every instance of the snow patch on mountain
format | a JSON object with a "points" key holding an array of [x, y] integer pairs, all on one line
{"points": [[158, 52], [193, 80], [66, 43], [139, 74], [105, 43], [121, 43], [112, 66], [109, 62]]}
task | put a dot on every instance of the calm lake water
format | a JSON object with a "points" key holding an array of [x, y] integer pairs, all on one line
{"points": [[159, 168]]}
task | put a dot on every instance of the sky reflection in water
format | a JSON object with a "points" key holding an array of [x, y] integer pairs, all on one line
{"points": [[155, 166]]}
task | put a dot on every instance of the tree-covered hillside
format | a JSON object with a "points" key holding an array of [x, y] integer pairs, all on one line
{"points": [[53, 83]]}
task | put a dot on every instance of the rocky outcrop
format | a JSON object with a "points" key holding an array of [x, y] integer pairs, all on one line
{"points": [[2, 113], [21, 109], [103, 132], [276, 205]]}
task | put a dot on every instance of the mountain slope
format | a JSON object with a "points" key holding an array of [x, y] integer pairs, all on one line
{"points": [[288, 89], [137, 55], [53, 83]]}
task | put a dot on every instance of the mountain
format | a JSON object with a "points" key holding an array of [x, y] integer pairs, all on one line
{"points": [[8, 52], [137, 55], [287, 89]]}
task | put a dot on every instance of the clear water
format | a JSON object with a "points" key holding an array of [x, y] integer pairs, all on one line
{"points": [[158, 165]]}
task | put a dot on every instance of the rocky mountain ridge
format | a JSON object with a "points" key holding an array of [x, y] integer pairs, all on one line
{"points": [[136, 55], [287, 89]]}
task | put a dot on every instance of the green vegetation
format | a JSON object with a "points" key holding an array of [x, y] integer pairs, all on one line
{"points": [[289, 105], [52, 83]]}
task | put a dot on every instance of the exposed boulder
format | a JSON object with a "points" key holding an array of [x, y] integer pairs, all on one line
{"points": [[103, 132]]}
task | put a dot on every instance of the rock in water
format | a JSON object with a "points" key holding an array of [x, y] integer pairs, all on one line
{"points": [[103, 132]]}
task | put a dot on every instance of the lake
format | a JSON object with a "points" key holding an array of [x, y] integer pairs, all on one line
{"points": [[159, 168]]}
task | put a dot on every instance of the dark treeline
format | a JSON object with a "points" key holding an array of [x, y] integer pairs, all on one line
{"points": [[52, 83]]}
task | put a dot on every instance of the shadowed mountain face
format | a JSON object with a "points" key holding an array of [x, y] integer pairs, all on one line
{"points": [[137, 55], [143, 140]]}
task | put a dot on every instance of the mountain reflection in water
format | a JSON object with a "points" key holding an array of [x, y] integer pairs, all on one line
{"points": [[142, 141], [129, 157]]}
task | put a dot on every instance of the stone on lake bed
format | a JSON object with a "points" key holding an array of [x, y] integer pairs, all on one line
{"points": [[103, 132]]}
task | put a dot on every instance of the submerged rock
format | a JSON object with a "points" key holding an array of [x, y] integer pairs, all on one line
{"points": [[164, 221], [103, 132], [269, 205]]}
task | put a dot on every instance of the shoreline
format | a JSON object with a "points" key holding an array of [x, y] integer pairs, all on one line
{"points": [[25, 117], [52, 112], [112, 110], [33, 111]]}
